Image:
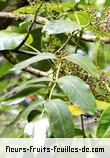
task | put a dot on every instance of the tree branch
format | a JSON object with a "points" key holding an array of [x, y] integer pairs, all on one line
{"points": [[36, 72], [42, 20], [16, 17], [28, 69], [91, 38]]}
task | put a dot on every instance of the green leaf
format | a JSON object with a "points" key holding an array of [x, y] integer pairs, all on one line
{"points": [[102, 105], [23, 26], [29, 40], [39, 57], [27, 88], [3, 0], [61, 26], [69, 1], [99, 54], [104, 124], [12, 130], [84, 62], [60, 119], [10, 40], [26, 10], [107, 2], [78, 93], [36, 80], [33, 114], [82, 16], [4, 68], [25, 91]]}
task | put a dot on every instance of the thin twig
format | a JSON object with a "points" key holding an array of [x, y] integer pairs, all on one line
{"points": [[82, 125], [22, 51], [92, 38], [80, 35], [69, 37], [31, 47], [36, 72], [55, 82], [30, 28]]}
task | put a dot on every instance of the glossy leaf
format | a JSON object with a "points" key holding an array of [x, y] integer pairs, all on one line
{"points": [[60, 119], [99, 54], [104, 124], [61, 26], [78, 93], [83, 61], [12, 130], [39, 57], [10, 40]]}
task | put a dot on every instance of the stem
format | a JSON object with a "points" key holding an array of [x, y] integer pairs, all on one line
{"points": [[82, 125], [31, 47], [30, 28], [80, 34], [55, 82], [107, 86], [22, 51], [69, 37], [77, 18]]}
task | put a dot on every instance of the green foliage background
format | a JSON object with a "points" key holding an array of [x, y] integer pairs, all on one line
{"points": [[54, 65]]}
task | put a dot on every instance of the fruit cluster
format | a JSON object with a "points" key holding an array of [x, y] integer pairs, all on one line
{"points": [[97, 85], [100, 20]]}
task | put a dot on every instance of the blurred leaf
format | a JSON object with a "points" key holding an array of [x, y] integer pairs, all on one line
{"points": [[26, 10], [33, 114], [33, 106], [4, 68], [3, 0], [3, 85], [60, 119], [107, 134], [84, 62], [99, 54], [36, 80], [29, 40], [82, 16], [10, 40], [102, 105], [107, 54], [70, 1], [78, 93], [12, 130], [103, 124], [61, 26], [78, 132], [75, 110], [39, 57], [107, 2], [26, 90], [24, 26]]}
